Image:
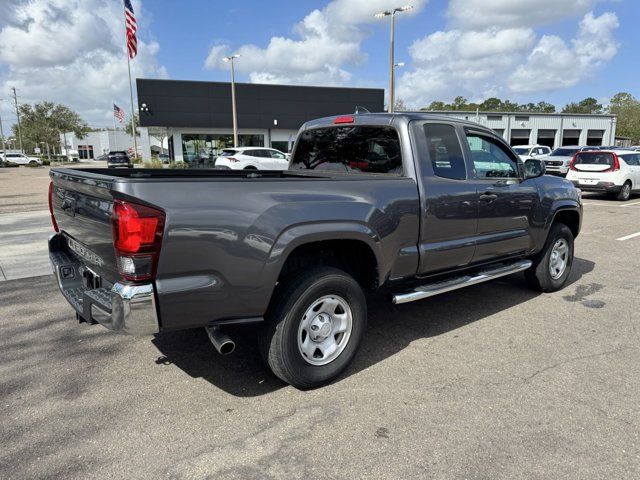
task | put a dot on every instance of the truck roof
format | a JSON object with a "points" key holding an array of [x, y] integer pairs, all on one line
{"points": [[385, 119]]}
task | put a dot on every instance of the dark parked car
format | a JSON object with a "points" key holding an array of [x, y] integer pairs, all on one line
{"points": [[119, 159], [406, 205]]}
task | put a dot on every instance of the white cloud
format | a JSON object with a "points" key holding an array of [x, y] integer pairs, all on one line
{"points": [[71, 52], [476, 60], [327, 42], [553, 63], [461, 63], [480, 14]]}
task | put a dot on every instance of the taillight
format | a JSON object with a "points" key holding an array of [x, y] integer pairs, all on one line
{"points": [[137, 238], [616, 164], [232, 160], [572, 164], [53, 219], [339, 120]]}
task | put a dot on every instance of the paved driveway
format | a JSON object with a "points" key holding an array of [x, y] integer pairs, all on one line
{"points": [[490, 382]]}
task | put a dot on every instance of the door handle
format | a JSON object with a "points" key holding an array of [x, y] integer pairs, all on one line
{"points": [[488, 197]]}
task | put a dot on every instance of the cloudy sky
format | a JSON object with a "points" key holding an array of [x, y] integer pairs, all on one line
{"points": [[72, 51]]}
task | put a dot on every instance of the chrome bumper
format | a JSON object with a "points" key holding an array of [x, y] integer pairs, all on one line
{"points": [[123, 308]]}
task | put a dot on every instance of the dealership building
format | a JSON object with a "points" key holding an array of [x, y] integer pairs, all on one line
{"points": [[193, 119], [550, 129], [196, 117]]}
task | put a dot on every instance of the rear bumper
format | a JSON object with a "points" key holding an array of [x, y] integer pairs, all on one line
{"points": [[123, 308], [607, 187]]}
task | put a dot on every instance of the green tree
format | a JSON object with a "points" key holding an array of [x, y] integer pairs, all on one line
{"points": [[491, 104], [459, 103], [627, 108], [544, 107], [435, 106], [127, 127], [44, 121], [588, 105]]}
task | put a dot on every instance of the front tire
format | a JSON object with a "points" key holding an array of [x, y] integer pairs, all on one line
{"points": [[314, 327], [552, 266]]}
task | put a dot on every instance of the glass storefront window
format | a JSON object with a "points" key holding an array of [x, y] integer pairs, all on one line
{"points": [[201, 150]]}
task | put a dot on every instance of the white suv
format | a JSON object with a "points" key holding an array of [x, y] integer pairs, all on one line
{"points": [[525, 152], [252, 158], [20, 159], [616, 172]]}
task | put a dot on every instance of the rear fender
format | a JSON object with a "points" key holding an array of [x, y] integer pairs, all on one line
{"points": [[298, 235]]}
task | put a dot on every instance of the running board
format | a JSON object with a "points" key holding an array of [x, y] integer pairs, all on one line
{"points": [[431, 289]]}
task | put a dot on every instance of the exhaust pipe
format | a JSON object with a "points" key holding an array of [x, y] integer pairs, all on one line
{"points": [[223, 343]]}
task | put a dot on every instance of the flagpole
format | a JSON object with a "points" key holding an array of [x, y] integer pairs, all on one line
{"points": [[115, 136], [133, 111]]}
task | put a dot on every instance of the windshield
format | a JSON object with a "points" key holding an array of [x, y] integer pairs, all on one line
{"points": [[564, 152], [521, 151]]}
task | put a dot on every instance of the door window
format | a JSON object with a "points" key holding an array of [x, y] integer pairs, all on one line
{"points": [[490, 158], [445, 151], [275, 154], [632, 160]]}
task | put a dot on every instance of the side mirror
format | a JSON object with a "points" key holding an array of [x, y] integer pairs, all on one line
{"points": [[534, 168]]}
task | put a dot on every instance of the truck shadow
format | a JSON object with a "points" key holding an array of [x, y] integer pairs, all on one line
{"points": [[391, 328]]}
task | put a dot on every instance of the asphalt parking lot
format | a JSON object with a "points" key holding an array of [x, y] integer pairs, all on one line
{"points": [[493, 381]]}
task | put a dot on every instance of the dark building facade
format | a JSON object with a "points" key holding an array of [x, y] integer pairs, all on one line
{"points": [[196, 116]]}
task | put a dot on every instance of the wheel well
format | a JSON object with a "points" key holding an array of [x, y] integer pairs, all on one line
{"points": [[570, 218], [353, 256]]}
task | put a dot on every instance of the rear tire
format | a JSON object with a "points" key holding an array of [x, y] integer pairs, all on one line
{"points": [[552, 266], [300, 310], [625, 192]]}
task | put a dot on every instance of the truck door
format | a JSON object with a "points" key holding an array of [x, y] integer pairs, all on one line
{"points": [[448, 201], [505, 200]]}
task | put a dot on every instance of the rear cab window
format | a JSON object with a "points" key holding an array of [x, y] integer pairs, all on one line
{"points": [[349, 149]]}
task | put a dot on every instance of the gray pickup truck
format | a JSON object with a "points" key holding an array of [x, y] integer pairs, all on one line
{"points": [[406, 205]]}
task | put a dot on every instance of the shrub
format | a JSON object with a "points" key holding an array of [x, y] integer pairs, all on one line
{"points": [[10, 164], [46, 162], [154, 163], [178, 165]]}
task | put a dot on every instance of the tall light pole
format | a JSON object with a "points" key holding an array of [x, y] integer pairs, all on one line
{"points": [[392, 15], [231, 58]]}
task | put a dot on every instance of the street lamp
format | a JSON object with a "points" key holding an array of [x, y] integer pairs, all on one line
{"points": [[392, 15], [231, 58]]}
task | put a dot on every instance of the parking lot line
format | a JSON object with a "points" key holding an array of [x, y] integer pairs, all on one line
{"points": [[627, 237], [632, 204]]}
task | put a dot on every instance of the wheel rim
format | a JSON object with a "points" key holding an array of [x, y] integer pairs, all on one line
{"points": [[626, 190], [559, 258], [325, 330]]}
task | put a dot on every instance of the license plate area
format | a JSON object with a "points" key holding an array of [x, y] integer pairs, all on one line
{"points": [[588, 181]]}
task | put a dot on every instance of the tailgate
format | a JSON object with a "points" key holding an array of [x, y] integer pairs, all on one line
{"points": [[82, 207]]}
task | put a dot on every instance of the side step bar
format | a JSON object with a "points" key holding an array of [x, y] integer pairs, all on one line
{"points": [[429, 290]]}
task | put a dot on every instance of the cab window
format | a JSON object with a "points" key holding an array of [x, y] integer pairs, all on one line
{"points": [[445, 151], [349, 149], [491, 159]]}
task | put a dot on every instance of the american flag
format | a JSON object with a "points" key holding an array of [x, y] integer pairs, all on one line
{"points": [[118, 113], [132, 28]]}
